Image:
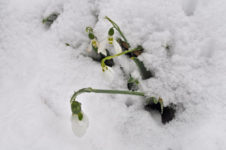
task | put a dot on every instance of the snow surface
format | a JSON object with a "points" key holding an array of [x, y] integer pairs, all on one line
{"points": [[39, 74]]}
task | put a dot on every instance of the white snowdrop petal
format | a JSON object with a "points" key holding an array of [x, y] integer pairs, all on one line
{"points": [[79, 127], [102, 48], [109, 74], [89, 49], [117, 47]]}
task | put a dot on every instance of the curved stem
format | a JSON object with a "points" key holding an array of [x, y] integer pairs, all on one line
{"points": [[91, 90], [119, 54]]}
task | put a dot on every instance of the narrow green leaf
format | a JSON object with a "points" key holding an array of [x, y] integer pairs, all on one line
{"points": [[146, 74], [50, 19]]}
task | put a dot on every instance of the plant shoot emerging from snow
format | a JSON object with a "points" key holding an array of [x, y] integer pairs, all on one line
{"points": [[76, 106], [121, 47], [48, 21], [103, 65]]}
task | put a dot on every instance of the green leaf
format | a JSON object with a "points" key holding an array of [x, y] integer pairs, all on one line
{"points": [[132, 80], [146, 74], [155, 103], [76, 107], [50, 19], [132, 84], [154, 100]]}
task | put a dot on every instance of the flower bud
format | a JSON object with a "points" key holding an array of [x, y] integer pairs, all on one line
{"points": [[79, 127]]}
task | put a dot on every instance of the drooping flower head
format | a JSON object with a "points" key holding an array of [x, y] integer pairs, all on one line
{"points": [[79, 127]]}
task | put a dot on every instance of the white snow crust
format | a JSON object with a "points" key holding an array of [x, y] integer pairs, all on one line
{"points": [[38, 75]]}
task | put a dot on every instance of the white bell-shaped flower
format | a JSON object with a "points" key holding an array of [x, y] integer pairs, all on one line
{"points": [[79, 127], [93, 44], [111, 41], [109, 74], [89, 49], [117, 47], [102, 47]]}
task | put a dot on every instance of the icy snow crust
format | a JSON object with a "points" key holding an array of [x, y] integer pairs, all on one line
{"points": [[39, 74]]}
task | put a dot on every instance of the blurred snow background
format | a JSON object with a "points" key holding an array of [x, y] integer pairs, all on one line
{"points": [[39, 74]]}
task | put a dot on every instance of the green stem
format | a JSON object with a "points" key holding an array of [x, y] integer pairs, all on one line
{"points": [[91, 90], [119, 54], [117, 28]]}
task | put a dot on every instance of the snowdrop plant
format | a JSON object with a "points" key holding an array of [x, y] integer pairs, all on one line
{"points": [[98, 48], [76, 106], [93, 43], [104, 66], [79, 121], [118, 29], [110, 41], [79, 127], [145, 73], [151, 103]]}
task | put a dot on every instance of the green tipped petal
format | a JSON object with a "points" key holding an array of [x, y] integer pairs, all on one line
{"points": [[80, 116]]}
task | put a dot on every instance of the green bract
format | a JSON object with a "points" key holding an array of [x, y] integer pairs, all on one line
{"points": [[111, 31], [91, 36], [76, 107], [132, 84]]}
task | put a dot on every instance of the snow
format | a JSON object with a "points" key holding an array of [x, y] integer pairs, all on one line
{"points": [[39, 74]]}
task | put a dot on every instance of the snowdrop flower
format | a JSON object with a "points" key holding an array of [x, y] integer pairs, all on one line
{"points": [[111, 41], [117, 47], [94, 43], [102, 48], [109, 74], [79, 127], [115, 44]]}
